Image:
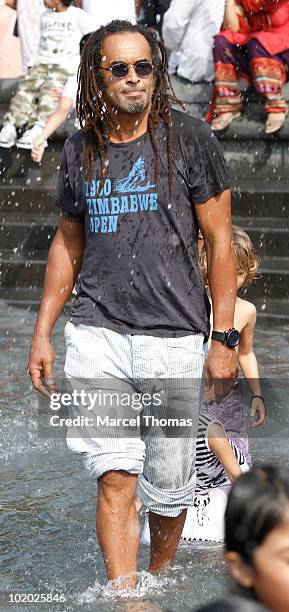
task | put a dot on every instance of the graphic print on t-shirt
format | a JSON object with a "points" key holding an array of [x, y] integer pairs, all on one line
{"points": [[131, 182], [104, 208]]}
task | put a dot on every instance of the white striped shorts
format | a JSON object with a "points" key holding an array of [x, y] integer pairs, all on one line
{"points": [[165, 465]]}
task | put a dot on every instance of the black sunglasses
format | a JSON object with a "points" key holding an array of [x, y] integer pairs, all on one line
{"points": [[120, 70]]}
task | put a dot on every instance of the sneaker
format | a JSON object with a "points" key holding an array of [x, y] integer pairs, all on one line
{"points": [[27, 139], [8, 136]]}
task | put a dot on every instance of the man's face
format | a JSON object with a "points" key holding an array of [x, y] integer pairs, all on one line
{"points": [[131, 94]]}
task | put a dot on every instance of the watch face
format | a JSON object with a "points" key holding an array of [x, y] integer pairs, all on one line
{"points": [[233, 338]]}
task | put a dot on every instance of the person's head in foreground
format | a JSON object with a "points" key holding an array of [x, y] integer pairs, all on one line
{"points": [[122, 79], [257, 535], [247, 262], [57, 5]]}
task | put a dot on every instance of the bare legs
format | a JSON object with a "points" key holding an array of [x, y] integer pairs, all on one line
{"points": [[165, 535], [118, 530], [117, 525]]}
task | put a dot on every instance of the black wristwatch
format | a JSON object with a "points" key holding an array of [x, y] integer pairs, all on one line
{"points": [[230, 338]]}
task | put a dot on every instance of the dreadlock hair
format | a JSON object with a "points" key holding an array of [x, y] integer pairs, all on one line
{"points": [[91, 110]]}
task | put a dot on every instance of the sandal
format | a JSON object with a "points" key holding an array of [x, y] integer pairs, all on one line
{"points": [[274, 122], [222, 122]]}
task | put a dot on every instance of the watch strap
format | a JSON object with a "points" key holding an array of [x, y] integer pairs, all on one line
{"points": [[219, 336]]}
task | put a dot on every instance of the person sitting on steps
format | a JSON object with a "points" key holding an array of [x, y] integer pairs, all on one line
{"points": [[62, 27], [252, 49]]}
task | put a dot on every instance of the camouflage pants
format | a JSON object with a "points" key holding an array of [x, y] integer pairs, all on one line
{"points": [[33, 102]]}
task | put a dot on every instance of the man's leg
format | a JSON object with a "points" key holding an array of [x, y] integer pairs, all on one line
{"points": [[165, 536], [167, 489], [168, 480], [110, 456], [117, 525]]}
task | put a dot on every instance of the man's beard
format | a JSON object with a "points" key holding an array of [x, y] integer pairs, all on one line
{"points": [[137, 107]]}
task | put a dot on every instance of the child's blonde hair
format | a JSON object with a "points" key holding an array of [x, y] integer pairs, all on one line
{"points": [[246, 258]]}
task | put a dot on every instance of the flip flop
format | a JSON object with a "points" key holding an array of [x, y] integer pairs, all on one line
{"points": [[224, 122], [275, 125]]}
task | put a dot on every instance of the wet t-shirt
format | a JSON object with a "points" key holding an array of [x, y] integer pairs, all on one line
{"points": [[140, 272]]}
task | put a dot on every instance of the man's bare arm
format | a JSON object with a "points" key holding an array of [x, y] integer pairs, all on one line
{"points": [[214, 218], [63, 266]]}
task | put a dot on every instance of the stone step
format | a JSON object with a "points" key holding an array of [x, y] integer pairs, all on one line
{"points": [[260, 162], [24, 237], [28, 299], [249, 199], [264, 224], [273, 281], [21, 199], [21, 271], [250, 126], [26, 269], [17, 164], [270, 311], [269, 236], [260, 198], [249, 151]]}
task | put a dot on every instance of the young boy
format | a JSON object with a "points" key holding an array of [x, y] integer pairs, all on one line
{"points": [[62, 27], [66, 103], [230, 410], [222, 444]]}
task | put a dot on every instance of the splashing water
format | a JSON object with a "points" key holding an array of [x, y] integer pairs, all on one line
{"points": [[48, 505]]}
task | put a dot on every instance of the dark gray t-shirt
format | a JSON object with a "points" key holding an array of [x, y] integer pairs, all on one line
{"points": [[140, 272]]}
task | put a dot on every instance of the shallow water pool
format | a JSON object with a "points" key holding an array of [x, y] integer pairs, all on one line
{"points": [[48, 542]]}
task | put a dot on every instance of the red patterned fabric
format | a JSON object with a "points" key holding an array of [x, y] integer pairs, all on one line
{"points": [[255, 6], [226, 93], [267, 21], [269, 77]]}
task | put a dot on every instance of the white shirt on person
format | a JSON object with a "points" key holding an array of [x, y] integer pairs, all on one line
{"points": [[28, 24], [188, 30], [60, 36], [104, 11]]}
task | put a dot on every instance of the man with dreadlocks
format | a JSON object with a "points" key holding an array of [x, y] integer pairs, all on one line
{"points": [[135, 185]]}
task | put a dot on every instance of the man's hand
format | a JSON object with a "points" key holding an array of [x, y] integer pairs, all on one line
{"points": [[221, 369], [40, 365]]}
